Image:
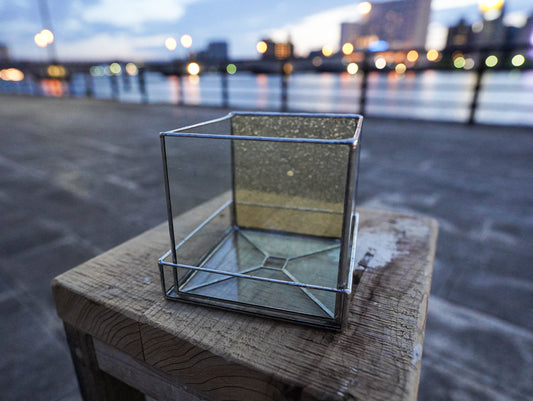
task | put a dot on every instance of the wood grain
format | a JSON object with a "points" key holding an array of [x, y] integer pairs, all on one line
{"points": [[229, 355], [138, 374], [95, 384]]}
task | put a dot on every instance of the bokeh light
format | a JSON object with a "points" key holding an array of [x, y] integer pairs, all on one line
{"points": [[518, 60], [44, 38], [56, 71], [491, 9], [282, 50], [96, 71], [412, 56], [288, 68], [231, 69], [477, 26], [186, 41], [459, 62], [400, 68], [317, 61], [469, 63], [11, 74], [115, 68], [327, 51], [170, 43], [380, 63], [352, 68], [193, 68], [517, 19], [47, 36], [491, 61], [261, 47], [39, 40], [486, 5], [132, 69], [364, 8], [432, 55], [347, 48]]}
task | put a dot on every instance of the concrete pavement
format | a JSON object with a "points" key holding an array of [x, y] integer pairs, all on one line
{"points": [[79, 176]]}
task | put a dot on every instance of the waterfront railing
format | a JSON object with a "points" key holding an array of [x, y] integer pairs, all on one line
{"points": [[469, 85]]}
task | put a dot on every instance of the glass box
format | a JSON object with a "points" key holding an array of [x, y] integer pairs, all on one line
{"points": [[283, 246]]}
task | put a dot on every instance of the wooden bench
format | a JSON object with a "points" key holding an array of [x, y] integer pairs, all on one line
{"points": [[126, 340]]}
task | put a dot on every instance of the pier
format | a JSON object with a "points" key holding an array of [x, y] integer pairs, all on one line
{"points": [[79, 176]]}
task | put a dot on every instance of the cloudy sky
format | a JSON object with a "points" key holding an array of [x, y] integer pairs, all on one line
{"points": [[136, 29]]}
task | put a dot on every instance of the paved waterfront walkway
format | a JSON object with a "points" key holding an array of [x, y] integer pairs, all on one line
{"points": [[80, 176]]}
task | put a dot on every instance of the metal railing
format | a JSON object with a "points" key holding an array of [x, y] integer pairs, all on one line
{"points": [[363, 98]]}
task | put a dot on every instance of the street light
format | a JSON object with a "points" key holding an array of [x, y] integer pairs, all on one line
{"points": [[44, 38], [352, 68], [193, 68], [347, 48], [186, 41], [327, 51], [170, 43], [261, 47], [491, 9], [364, 8], [48, 36]]}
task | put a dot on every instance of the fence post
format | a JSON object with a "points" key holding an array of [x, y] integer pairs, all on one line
{"points": [[142, 85], [89, 85], [284, 85], [364, 85], [126, 81], [224, 83], [181, 92], [477, 87], [113, 81]]}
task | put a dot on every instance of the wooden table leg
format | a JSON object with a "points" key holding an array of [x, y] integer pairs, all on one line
{"points": [[95, 385]]}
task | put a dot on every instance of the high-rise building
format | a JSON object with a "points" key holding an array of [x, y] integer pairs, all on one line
{"points": [[277, 50], [492, 31], [401, 24], [460, 35], [4, 52], [523, 37], [216, 52]]}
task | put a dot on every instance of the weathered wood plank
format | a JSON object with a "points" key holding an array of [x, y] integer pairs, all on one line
{"points": [[95, 384], [99, 321], [377, 356], [135, 373]]}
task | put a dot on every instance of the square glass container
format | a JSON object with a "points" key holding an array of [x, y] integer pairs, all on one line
{"points": [[283, 246]]}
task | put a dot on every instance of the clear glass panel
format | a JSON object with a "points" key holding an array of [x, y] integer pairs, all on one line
{"points": [[291, 187], [284, 223]]}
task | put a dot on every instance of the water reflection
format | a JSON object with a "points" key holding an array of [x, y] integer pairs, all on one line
{"points": [[506, 97], [53, 87], [191, 89], [174, 85], [262, 91]]}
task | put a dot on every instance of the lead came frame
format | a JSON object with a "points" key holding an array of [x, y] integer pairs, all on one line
{"points": [[231, 260]]}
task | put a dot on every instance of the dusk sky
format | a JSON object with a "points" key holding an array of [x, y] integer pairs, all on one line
{"points": [[136, 29]]}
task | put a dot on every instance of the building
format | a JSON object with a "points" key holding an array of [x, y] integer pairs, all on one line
{"points": [[491, 31], [216, 52], [522, 37], [4, 52], [401, 24], [277, 50], [460, 35]]}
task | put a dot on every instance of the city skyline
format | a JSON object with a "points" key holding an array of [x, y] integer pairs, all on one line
{"points": [[88, 29]]}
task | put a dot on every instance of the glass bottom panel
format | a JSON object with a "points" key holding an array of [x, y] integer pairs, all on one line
{"points": [[272, 255]]}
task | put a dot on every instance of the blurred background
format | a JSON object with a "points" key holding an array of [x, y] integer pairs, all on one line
{"points": [[446, 88], [441, 60]]}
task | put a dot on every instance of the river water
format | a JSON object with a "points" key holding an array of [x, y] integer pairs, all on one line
{"points": [[506, 97]]}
